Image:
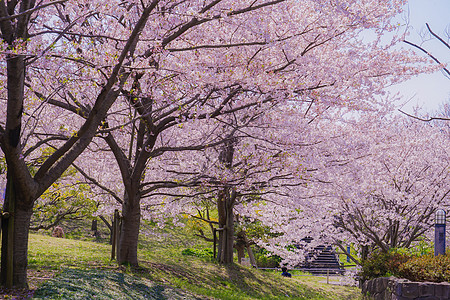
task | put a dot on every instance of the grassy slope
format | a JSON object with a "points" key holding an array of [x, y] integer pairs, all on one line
{"points": [[105, 284], [162, 266]]}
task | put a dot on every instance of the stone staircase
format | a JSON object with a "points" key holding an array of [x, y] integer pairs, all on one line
{"points": [[321, 260]]}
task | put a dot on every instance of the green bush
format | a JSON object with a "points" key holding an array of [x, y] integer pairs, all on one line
{"points": [[413, 267], [426, 268], [382, 264], [206, 253], [265, 260]]}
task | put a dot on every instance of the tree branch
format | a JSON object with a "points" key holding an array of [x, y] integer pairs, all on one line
{"points": [[429, 54], [96, 183], [436, 36], [425, 119], [30, 11]]}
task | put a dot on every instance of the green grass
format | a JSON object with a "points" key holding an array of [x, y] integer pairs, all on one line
{"points": [[55, 253], [82, 268], [101, 284]]}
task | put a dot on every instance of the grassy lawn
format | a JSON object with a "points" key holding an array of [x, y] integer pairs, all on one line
{"points": [[72, 269]]}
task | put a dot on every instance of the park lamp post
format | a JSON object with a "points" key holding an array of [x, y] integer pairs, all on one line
{"points": [[439, 233]]}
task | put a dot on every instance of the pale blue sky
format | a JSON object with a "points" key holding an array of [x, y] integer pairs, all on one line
{"points": [[427, 91]]}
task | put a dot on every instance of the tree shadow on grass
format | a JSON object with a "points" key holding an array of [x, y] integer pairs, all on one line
{"points": [[101, 284], [160, 272], [216, 280], [265, 286]]}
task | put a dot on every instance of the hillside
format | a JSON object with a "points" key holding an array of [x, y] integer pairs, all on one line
{"points": [[74, 269]]}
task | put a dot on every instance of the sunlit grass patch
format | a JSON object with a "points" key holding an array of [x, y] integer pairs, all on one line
{"points": [[58, 253], [82, 270]]}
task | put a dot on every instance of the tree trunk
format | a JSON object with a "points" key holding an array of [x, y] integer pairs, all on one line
{"points": [[229, 232], [15, 238], [251, 256], [225, 204], [19, 200], [129, 232], [240, 249], [243, 244], [20, 256], [221, 209], [226, 226], [364, 253]]}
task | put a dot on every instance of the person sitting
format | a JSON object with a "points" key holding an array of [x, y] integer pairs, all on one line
{"points": [[285, 272]]}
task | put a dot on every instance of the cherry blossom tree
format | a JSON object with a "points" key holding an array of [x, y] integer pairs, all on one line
{"points": [[169, 62], [205, 57], [381, 181], [251, 175], [33, 49]]}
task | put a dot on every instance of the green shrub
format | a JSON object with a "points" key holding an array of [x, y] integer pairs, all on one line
{"points": [[265, 260], [382, 264], [402, 264], [206, 253], [375, 266], [426, 268]]}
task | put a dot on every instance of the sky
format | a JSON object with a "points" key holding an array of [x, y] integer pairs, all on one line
{"points": [[431, 90]]}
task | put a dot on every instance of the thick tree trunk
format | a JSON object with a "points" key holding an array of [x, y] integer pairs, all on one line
{"points": [[225, 204], [15, 230], [129, 233], [20, 256], [19, 201], [226, 227]]}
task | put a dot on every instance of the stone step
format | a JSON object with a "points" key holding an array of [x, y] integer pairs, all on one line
{"points": [[322, 260]]}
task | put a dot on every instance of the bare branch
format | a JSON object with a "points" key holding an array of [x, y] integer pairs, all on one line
{"points": [[425, 119], [436, 36], [429, 54]]}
